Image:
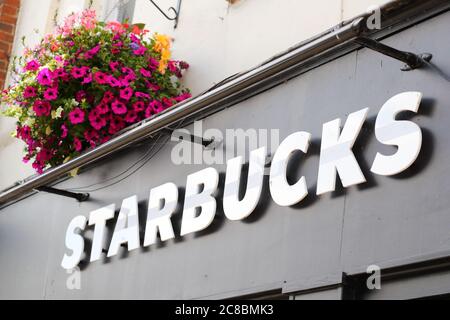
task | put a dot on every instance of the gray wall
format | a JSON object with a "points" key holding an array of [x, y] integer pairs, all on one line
{"points": [[389, 221]]}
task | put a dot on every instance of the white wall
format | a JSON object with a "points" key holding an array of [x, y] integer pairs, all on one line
{"points": [[217, 38]]}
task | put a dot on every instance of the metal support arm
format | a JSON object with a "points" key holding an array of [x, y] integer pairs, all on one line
{"points": [[78, 196], [412, 60], [176, 11]]}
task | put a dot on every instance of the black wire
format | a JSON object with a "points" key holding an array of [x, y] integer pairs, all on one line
{"points": [[133, 172], [143, 158], [147, 153]]}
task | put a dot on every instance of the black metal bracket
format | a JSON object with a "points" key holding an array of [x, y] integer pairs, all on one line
{"points": [[412, 61], [78, 196], [206, 143], [176, 11]]}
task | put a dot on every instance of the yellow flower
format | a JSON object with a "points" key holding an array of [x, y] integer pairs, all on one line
{"points": [[162, 43], [48, 131]]}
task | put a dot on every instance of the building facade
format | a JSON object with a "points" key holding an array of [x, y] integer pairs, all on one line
{"points": [[350, 203]]}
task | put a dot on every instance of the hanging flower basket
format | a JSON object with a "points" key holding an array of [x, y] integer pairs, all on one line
{"points": [[85, 83]]}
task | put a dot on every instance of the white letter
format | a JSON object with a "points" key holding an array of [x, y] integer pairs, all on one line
{"points": [[336, 153], [181, 152], [127, 227], [233, 208], [404, 134], [282, 193], [74, 242], [374, 281], [159, 217], [98, 218], [197, 199]]}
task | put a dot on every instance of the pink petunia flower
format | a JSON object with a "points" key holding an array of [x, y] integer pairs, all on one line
{"points": [[157, 106], [101, 78], [51, 94], [32, 65], [64, 131], [142, 95], [96, 119], [76, 116], [45, 77], [153, 64], [126, 93], [108, 97], [87, 79], [113, 82], [77, 144], [78, 73], [139, 106], [146, 73], [80, 95], [118, 107], [113, 65], [29, 92], [42, 108], [140, 51], [92, 53], [102, 108], [131, 116]]}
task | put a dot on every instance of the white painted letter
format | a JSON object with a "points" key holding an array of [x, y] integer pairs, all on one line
{"points": [[127, 227], [336, 153], [99, 218], [159, 217], [404, 134], [282, 192], [74, 242], [233, 208], [196, 199]]}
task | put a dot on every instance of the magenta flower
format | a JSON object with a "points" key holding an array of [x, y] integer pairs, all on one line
{"points": [[45, 77], [108, 97], [157, 106], [96, 120], [92, 53], [32, 65], [114, 65], [126, 93], [118, 107], [146, 73], [167, 103], [64, 131], [76, 116], [140, 51], [113, 82], [42, 108], [87, 79], [102, 108], [78, 73], [61, 74], [80, 95], [142, 95], [77, 144], [152, 86], [139, 106], [153, 64], [92, 137], [29, 92], [51, 94], [101, 78], [149, 111], [115, 125], [131, 116]]}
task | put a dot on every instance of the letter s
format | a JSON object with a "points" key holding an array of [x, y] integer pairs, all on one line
{"points": [[404, 134], [74, 242]]}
